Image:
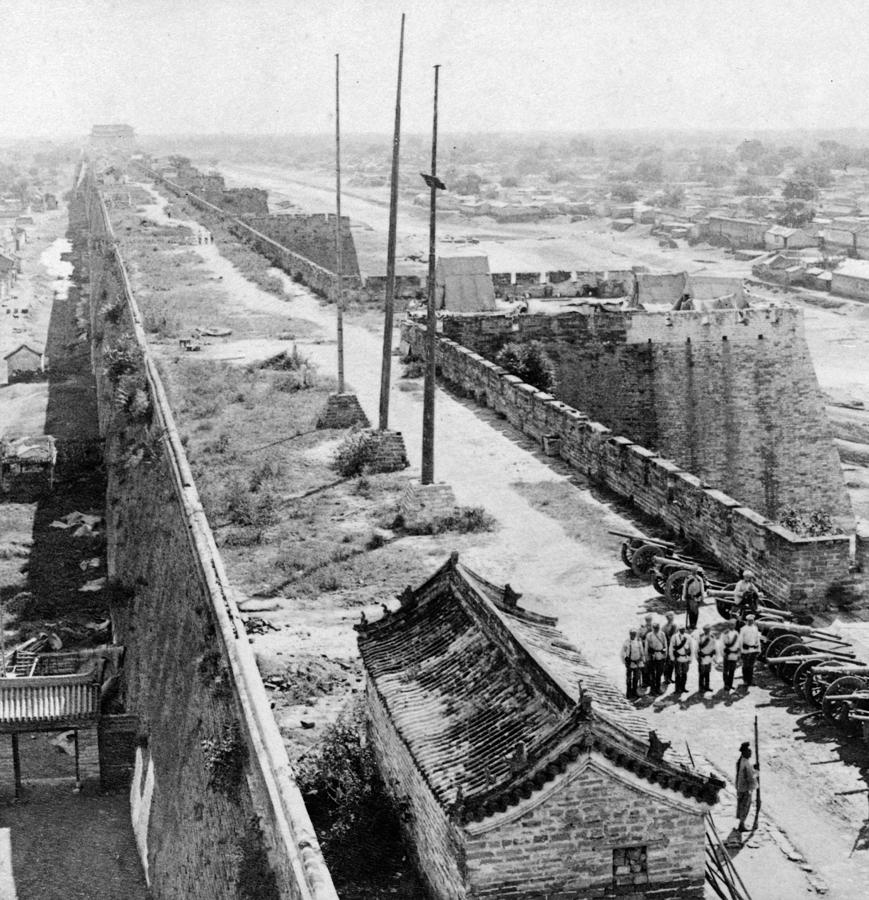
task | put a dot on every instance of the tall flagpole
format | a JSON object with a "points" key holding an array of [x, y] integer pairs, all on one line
{"points": [[431, 320], [338, 260], [385, 371]]}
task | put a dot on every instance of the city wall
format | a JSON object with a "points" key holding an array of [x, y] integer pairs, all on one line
{"points": [[215, 810], [729, 395], [311, 236], [800, 572]]}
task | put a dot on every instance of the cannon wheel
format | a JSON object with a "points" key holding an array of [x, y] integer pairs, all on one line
{"points": [[781, 646], [659, 581], [767, 637], [674, 585], [725, 610], [838, 711], [628, 548], [643, 560], [787, 671], [818, 682], [803, 678]]}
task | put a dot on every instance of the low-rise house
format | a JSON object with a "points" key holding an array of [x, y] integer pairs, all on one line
{"points": [[851, 279], [843, 235], [464, 284], [520, 770], [736, 232], [779, 237], [24, 363], [27, 464]]}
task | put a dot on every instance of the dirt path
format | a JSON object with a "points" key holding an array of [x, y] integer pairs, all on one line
{"points": [[552, 544]]}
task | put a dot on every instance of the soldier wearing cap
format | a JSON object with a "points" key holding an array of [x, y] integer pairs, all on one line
{"points": [[749, 648], [642, 631], [746, 784], [681, 649], [693, 596], [670, 629], [634, 656], [746, 595], [730, 653], [707, 651], [656, 653]]}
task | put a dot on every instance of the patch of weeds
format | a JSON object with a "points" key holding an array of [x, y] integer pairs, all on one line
{"points": [[464, 519], [376, 541], [225, 759], [219, 445], [354, 454], [330, 579], [414, 369], [243, 508], [263, 473], [256, 878]]}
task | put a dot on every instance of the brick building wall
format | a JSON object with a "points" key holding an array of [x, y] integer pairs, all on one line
{"points": [[802, 572], [313, 237], [736, 404], [189, 673], [436, 842], [563, 845]]}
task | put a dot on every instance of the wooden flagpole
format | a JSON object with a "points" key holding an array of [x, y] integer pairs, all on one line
{"points": [[339, 273]]}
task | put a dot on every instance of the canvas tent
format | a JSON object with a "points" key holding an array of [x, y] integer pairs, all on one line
{"points": [[464, 284]]}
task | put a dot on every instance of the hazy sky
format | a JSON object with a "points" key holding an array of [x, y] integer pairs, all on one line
{"points": [[267, 66]]}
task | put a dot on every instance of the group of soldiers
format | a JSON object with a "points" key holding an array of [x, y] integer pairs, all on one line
{"points": [[658, 654]]}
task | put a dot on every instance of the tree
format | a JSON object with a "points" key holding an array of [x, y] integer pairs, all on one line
{"points": [[626, 193], [800, 189], [510, 181], [750, 150], [796, 214], [815, 171], [649, 170], [749, 186], [673, 195], [530, 363], [468, 184]]}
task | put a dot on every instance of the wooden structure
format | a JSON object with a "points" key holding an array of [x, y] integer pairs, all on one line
{"points": [[27, 464]]}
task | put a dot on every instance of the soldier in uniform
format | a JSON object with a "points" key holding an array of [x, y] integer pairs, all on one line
{"points": [[730, 653], [656, 653], [670, 629], [634, 656], [746, 595], [644, 630], [746, 784], [680, 653], [707, 650], [693, 596], [749, 648]]}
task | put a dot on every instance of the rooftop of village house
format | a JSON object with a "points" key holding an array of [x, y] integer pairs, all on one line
{"points": [[494, 703]]}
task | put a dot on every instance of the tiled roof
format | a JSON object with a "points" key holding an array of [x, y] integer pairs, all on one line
{"points": [[486, 696]]}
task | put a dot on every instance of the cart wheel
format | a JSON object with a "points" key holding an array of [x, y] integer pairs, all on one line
{"points": [[787, 671], [673, 588], [839, 711], [820, 678], [627, 552], [767, 637], [782, 646], [643, 560], [659, 581], [803, 677]]}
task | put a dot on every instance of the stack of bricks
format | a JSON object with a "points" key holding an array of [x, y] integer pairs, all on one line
{"points": [[342, 411], [423, 504], [386, 451]]}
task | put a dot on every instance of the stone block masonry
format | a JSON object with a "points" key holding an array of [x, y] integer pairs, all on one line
{"points": [[730, 396], [313, 237], [216, 804], [342, 411], [801, 572]]}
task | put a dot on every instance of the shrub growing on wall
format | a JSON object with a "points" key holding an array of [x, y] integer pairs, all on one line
{"points": [[807, 523], [530, 363]]}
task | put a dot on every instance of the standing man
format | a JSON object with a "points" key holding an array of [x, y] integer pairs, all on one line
{"points": [[644, 630], [656, 653], [746, 784], [749, 648], [670, 629], [693, 596], [730, 653], [746, 595], [706, 653], [680, 653], [634, 656]]}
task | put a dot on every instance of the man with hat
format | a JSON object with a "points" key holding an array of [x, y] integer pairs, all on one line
{"points": [[749, 648], [642, 631], [706, 653], [680, 653], [656, 653], [670, 628], [730, 653], [746, 595], [634, 656], [746, 784], [693, 596]]}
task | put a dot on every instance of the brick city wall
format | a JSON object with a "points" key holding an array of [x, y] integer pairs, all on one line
{"points": [[435, 841], [802, 572], [222, 803], [313, 237], [239, 201], [563, 846], [732, 398]]}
